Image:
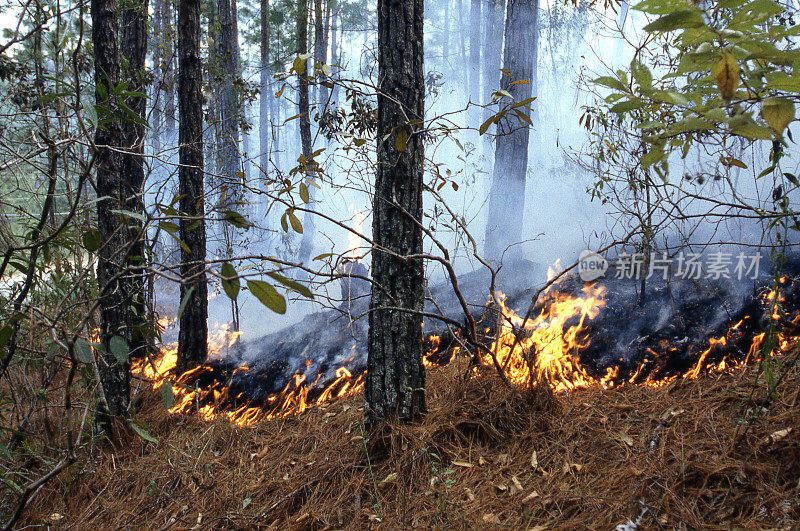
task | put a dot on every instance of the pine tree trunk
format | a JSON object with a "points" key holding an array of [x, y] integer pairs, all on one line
{"points": [[507, 195], [266, 93], [395, 384], [134, 51], [158, 58], [475, 61], [304, 252], [230, 109], [493, 43], [193, 333], [168, 94], [336, 55], [114, 374]]}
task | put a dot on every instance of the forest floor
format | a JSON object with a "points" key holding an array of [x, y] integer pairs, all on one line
{"points": [[675, 456]]}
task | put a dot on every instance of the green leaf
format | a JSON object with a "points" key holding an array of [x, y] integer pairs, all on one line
{"points": [[91, 240], [292, 285], [401, 140], [169, 226], [119, 348], [642, 74], [5, 334], [611, 82], [52, 351], [627, 105], [304, 193], [83, 351], [689, 124], [753, 131], [230, 281], [688, 18], [295, 222], [236, 219], [652, 156], [143, 433], [167, 394], [661, 7], [268, 296], [778, 113], [485, 125], [185, 301]]}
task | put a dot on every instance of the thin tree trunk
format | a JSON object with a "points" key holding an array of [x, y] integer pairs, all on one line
{"points": [[475, 60], [305, 119], [114, 373], [266, 93], [395, 384], [193, 333], [230, 109], [462, 42], [168, 94], [134, 51], [158, 58], [493, 43], [507, 195], [336, 54]]}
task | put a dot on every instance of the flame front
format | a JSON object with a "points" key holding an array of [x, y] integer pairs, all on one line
{"points": [[544, 348]]}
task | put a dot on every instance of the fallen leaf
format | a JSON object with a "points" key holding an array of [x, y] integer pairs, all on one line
{"points": [[571, 466], [491, 518], [388, 479], [516, 483], [531, 496], [624, 437], [462, 464], [534, 460], [501, 487], [470, 494], [502, 459], [775, 436], [481, 461]]}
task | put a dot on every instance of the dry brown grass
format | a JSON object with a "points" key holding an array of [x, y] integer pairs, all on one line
{"points": [[603, 457]]}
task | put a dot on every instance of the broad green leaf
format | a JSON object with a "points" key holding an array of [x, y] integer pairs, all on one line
{"points": [[295, 222], [726, 74], [627, 105], [268, 296], [91, 240], [236, 219], [778, 113], [304, 196], [401, 140], [169, 226], [83, 351], [5, 334], [167, 394], [661, 7], [292, 285], [753, 131], [689, 124], [611, 82], [119, 348], [652, 156], [688, 18], [230, 281], [642, 74], [143, 433]]}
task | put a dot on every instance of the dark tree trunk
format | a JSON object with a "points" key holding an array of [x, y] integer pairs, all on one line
{"points": [[193, 334], [158, 58], [114, 374], [493, 44], [395, 384], [134, 51], [507, 195], [168, 94], [305, 119], [266, 93]]}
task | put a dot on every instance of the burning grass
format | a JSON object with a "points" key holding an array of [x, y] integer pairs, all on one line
{"points": [[483, 457]]}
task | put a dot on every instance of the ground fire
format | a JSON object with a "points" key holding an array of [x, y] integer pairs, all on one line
{"points": [[565, 343]]}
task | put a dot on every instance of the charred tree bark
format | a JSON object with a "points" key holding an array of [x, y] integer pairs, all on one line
{"points": [[134, 51], [305, 120], [193, 333], [395, 384], [114, 373], [266, 93], [507, 194]]}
